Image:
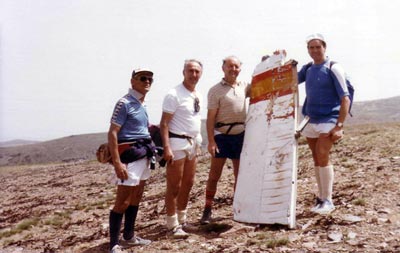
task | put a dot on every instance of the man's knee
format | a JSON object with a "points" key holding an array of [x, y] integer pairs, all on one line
{"points": [[120, 207], [173, 189], [188, 183]]}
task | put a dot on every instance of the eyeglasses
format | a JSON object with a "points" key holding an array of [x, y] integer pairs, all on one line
{"points": [[145, 79], [196, 104]]}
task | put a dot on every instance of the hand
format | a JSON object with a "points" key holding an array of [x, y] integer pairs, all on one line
{"points": [[336, 134], [278, 51], [121, 171], [212, 148], [168, 155]]}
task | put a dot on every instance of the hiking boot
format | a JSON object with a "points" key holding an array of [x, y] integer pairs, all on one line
{"points": [[178, 233], [136, 241], [318, 203], [206, 218], [117, 249], [325, 208]]}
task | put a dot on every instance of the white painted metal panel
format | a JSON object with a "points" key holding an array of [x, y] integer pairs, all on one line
{"points": [[267, 180]]}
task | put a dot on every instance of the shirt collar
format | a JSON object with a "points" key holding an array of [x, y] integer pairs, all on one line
{"points": [[223, 82], [135, 94]]}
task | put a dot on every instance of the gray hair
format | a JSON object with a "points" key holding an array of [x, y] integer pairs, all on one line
{"points": [[190, 61], [231, 57]]}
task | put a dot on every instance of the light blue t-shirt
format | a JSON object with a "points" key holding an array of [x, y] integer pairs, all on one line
{"points": [[324, 91], [131, 116]]}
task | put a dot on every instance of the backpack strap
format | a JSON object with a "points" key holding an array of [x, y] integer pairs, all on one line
{"points": [[308, 65]]}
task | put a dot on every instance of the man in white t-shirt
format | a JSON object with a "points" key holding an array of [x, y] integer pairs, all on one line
{"points": [[180, 131]]}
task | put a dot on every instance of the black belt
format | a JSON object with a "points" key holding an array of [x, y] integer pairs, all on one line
{"points": [[133, 141], [220, 124], [180, 136]]}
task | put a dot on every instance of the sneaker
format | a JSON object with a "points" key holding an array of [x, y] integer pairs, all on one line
{"points": [[318, 203], [117, 249], [206, 218], [136, 241], [179, 233], [325, 208]]}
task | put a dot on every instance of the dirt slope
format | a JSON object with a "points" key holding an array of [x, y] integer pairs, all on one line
{"points": [[64, 207]]}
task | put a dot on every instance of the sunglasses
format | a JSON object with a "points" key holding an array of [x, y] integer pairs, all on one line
{"points": [[196, 104], [145, 79]]}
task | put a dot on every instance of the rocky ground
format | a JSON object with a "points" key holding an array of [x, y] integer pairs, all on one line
{"points": [[65, 207]]}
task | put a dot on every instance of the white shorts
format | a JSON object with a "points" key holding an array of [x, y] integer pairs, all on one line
{"points": [[137, 170], [313, 130], [182, 148]]}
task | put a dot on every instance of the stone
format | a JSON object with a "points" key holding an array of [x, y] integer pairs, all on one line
{"points": [[336, 236]]}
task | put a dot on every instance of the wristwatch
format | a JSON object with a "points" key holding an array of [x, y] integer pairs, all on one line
{"points": [[339, 124]]}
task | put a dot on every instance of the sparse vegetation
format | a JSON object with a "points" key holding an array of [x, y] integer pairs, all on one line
{"points": [[273, 243], [72, 202], [22, 226], [359, 202]]}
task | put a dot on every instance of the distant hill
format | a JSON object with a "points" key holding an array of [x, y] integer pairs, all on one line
{"points": [[16, 143], [376, 111], [83, 147], [67, 149]]}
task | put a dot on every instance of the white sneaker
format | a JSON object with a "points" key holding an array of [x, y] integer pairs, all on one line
{"points": [[179, 233], [136, 241], [318, 203], [117, 249], [325, 208]]}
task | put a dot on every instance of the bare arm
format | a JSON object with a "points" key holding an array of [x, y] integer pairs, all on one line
{"points": [[210, 124], [164, 129], [344, 109], [120, 168], [336, 132]]}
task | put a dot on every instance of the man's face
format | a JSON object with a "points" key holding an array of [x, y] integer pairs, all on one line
{"points": [[316, 50], [192, 73], [142, 83], [231, 68]]}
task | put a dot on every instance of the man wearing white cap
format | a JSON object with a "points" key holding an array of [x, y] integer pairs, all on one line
{"points": [[327, 105], [127, 137]]}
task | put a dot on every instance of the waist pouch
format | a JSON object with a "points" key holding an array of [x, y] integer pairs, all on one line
{"points": [[138, 149]]}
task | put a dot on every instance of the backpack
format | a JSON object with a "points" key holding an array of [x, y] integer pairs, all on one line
{"points": [[350, 87]]}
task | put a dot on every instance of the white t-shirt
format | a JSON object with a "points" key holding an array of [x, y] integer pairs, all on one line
{"points": [[179, 101]]}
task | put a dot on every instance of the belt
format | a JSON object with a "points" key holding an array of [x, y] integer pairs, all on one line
{"points": [[220, 124], [180, 136]]}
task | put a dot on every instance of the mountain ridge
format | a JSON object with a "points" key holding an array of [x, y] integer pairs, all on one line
{"points": [[83, 146]]}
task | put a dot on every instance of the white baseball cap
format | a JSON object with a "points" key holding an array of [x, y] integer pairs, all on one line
{"points": [[141, 70], [315, 36]]}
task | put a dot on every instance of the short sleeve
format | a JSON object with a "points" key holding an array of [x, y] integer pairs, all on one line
{"points": [[340, 80], [170, 103], [212, 100], [120, 113]]}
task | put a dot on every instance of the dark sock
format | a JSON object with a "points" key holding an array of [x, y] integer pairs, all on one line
{"points": [[209, 198], [115, 227], [130, 218]]}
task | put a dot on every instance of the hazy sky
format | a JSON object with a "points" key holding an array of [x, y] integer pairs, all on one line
{"points": [[64, 64]]}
